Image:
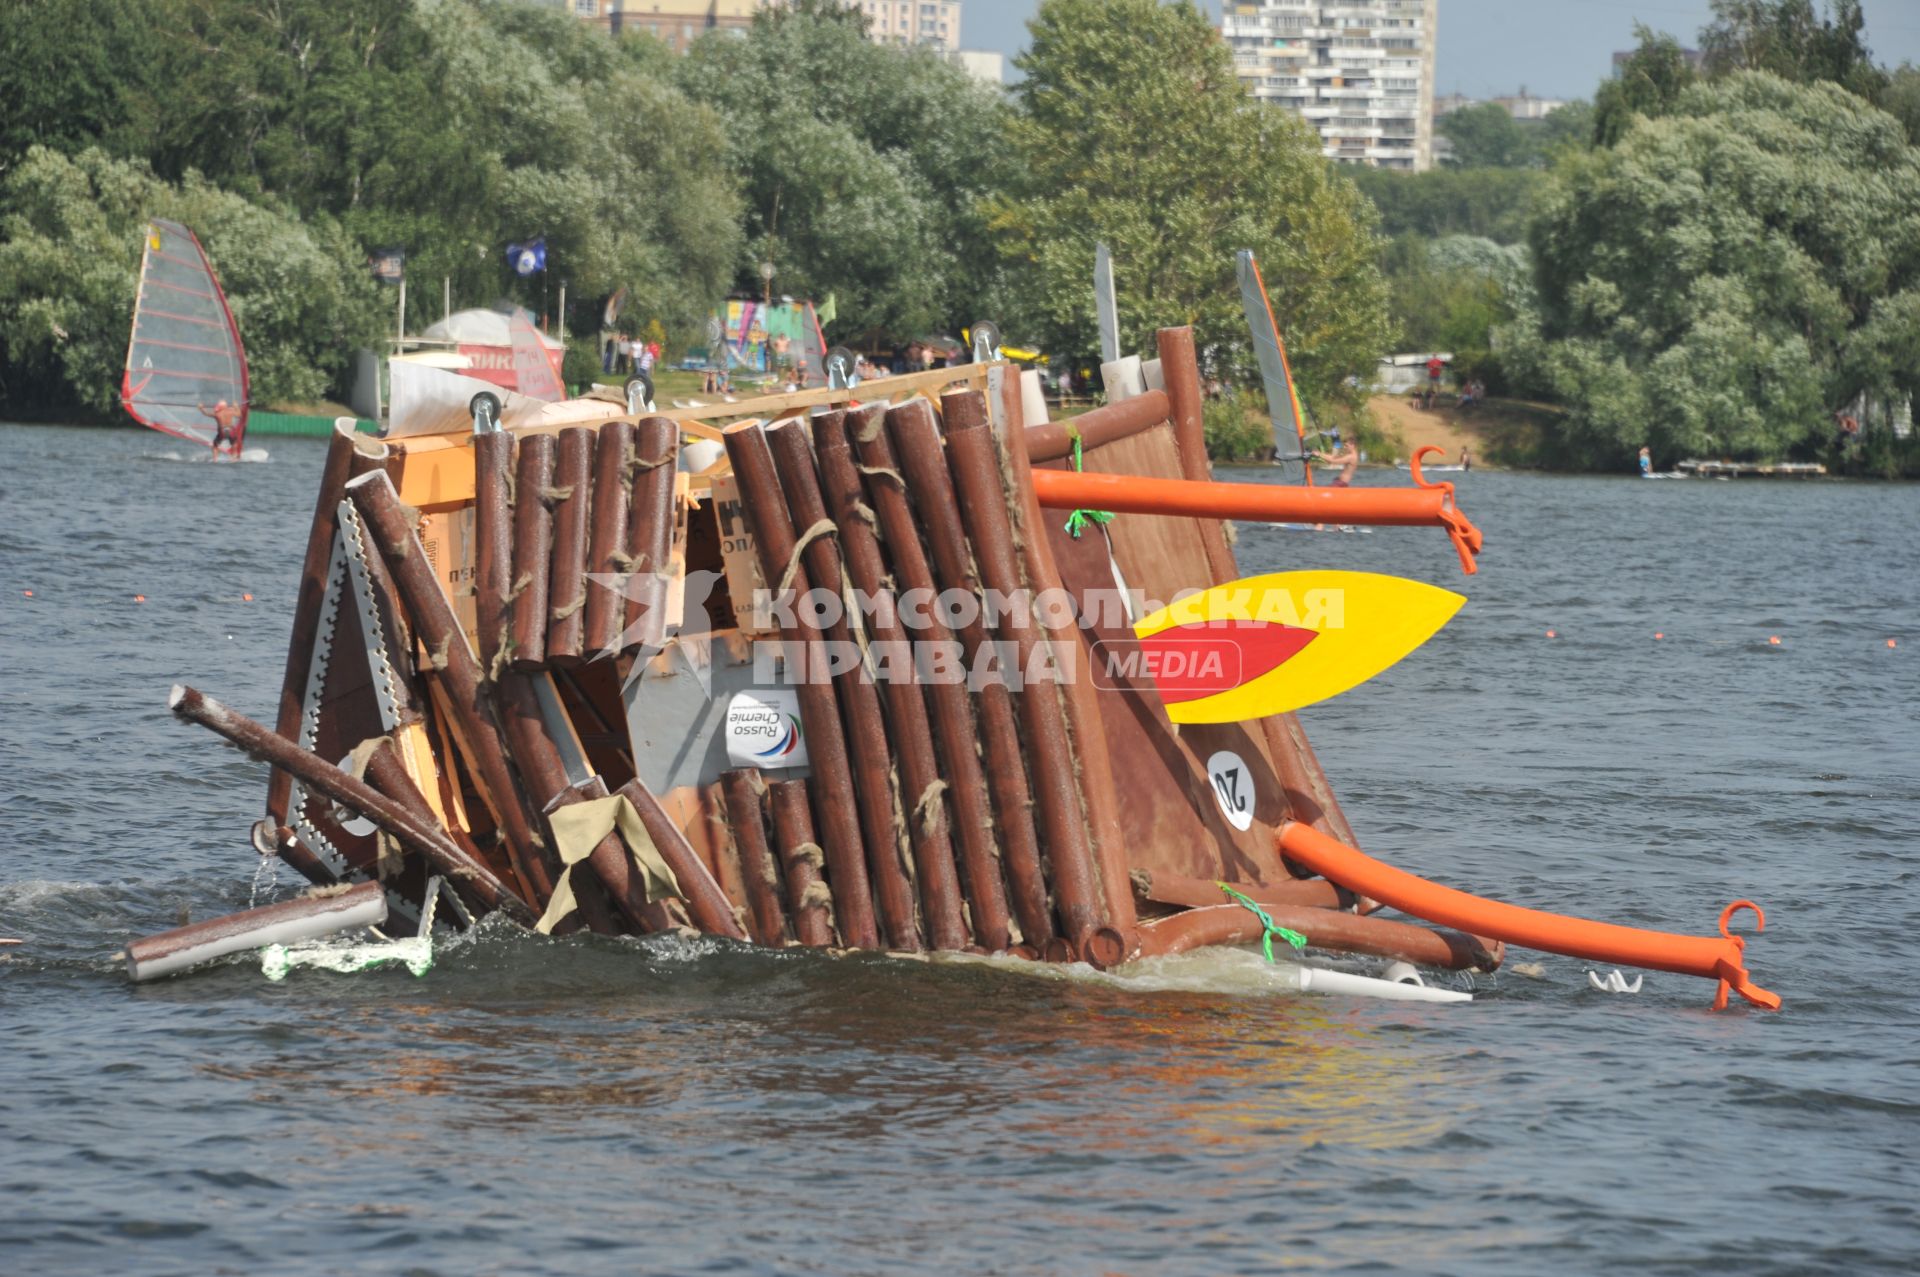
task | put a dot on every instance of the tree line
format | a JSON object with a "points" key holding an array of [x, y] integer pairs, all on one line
{"points": [[300, 136], [1713, 260]]}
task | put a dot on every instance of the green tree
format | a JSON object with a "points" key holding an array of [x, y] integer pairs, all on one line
{"points": [[1900, 98], [1489, 203], [70, 235], [1132, 129], [1788, 39], [1648, 85], [1485, 135], [864, 167], [1724, 278]]}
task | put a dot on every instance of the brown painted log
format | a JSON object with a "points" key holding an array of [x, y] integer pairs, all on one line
{"points": [[532, 550], [1080, 700], [467, 875], [846, 862], [873, 776], [742, 792], [1201, 893], [953, 718], [493, 544], [606, 607], [656, 448], [1115, 421], [706, 904], [923, 464], [282, 841], [306, 609], [1324, 929], [801, 859], [453, 661], [979, 481], [925, 809], [567, 578]]}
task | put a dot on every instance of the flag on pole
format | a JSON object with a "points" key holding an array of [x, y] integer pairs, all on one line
{"points": [[827, 311], [529, 258]]}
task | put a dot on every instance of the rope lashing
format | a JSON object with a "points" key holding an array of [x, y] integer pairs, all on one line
{"points": [[1273, 928], [1077, 521]]}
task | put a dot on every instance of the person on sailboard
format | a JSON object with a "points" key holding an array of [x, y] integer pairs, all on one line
{"points": [[1646, 463], [226, 421], [1347, 458]]}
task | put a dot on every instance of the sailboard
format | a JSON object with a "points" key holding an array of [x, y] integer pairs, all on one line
{"points": [[532, 369], [1104, 308], [185, 361], [1275, 373]]}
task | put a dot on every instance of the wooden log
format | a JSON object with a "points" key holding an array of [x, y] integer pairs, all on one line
{"points": [[1081, 703], [706, 904], [1052, 440], [567, 578], [975, 464], [467, 875], [873, 775], [493, 545], [532, 550], [1324, 929], [774, 542], [453, 662], [801, 860], [289, 922], [923, 463], [650, 531], [912, 737], [606, 608], [953, 718], [742, 792]]}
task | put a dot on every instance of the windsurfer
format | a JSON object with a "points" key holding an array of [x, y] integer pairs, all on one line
{"points": [[1347, 458], [226, 421]]}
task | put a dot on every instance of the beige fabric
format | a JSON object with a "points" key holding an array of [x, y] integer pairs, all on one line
{"points": [[578, 829]]}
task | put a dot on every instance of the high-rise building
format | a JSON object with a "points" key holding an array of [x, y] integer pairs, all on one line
{"points": [[1359, 71], [677, 22], [929, 22]]}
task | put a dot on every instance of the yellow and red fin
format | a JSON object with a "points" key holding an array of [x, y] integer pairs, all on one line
{"points": [[1242, 653]]}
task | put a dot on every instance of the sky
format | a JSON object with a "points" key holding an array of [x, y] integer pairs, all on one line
{"points": [[1554, 48]]}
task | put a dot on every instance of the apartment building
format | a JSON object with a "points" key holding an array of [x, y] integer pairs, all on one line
{"points": [[1360, 72], [929, 22], [678, 22]]}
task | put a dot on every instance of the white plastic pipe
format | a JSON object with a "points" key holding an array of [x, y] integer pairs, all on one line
{"points": [[1320, 980], [1123, 378], [1033, 398]]}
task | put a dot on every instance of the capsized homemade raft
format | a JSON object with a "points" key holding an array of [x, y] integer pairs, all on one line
{"points": [[658, 672]]}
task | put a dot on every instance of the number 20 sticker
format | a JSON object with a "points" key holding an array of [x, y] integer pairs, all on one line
{"points": [[1232, 783]]}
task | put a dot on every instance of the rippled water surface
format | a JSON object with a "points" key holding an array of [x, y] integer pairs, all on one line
{"points": [[539, 1106]]}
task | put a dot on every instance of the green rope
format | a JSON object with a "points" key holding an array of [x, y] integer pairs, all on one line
{"points": [[1077, 521], [1293, 938]]}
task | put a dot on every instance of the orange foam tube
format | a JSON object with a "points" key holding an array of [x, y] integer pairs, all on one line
{"points": [[1715, 958]]}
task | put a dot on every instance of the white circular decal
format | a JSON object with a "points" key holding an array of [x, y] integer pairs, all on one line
{"points": [[1232, 783]]}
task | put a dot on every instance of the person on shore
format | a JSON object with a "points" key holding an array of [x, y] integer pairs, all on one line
{"points": [[1347, 458], [1435, 366], [226, 422], [1466, 460], [644, 357], [609, 352], [623, 356]]}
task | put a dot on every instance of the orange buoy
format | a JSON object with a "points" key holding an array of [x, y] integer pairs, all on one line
{"points": [[1774, 639], [1552, 634], [246, 598], [1658, 634], [139, 598]]}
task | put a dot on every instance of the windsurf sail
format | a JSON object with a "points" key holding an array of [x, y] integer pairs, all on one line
{"points": [[185, 363], [1283, 402], [813, 348], [1104, 309], [532, 370]]}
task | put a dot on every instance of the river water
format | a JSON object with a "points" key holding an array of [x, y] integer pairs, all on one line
{"points": [[585, 1106]]}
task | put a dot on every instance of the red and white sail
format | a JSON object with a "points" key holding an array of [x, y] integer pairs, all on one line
{"points": [[185, 356]]}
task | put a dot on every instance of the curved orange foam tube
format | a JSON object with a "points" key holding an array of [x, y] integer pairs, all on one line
{"points": [[1713, 957]]}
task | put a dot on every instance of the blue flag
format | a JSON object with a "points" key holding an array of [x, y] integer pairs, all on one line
{"points": [[529, 258]]}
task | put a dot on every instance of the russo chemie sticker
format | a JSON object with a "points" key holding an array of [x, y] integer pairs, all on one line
{"points": [[763, 730]]}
